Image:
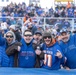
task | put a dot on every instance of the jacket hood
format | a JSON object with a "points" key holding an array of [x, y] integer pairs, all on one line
{"points": [[53, 42], [14, 37]]}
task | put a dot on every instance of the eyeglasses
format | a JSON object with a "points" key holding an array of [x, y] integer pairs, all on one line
{"points": [[27, 35], [9, 36], [47, 37]]}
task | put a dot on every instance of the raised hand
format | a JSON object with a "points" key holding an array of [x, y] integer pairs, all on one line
{"points": [[58, 54]]}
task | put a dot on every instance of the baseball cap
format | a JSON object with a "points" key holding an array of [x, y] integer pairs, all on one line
{"points": [[63, 31], [38, 32]]}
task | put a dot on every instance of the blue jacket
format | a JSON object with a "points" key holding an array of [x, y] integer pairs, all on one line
{"points": [[4, 60], [69, 50], [56, 62], [70, 12], [8, 59], [2, 41], [27, 56]]}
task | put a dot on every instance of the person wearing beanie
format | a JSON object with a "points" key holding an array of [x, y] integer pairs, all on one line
{"points": [[11, 46], [52, 52]]}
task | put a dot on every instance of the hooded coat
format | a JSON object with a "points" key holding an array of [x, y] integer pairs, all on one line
{"points": [[9, 47], [52, 49]]}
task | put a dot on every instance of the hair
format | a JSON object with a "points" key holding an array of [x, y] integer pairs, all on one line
{"points": [[27, 30]]}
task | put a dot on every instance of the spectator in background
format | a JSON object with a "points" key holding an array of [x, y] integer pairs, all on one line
{"points": [[56, 14], [75, 13], [26, 20], [51, 11], [32, 27], [12, 21], [63, 12], [40, 28], [16, 32], [4, 27], [70, 12], [66, 24]]}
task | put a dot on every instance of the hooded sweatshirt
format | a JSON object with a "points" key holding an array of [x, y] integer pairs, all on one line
{"points": [[52, 63], [5, 45], [27, 56], [11, 57]]}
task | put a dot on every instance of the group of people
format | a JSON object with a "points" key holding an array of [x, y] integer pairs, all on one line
{"points": [[35, 47], [38, 50]]}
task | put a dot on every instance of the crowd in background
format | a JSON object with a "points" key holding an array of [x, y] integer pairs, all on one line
{"points": [[20, 10], [17, 14]]}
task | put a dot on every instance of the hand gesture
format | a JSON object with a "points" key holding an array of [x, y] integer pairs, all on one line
{"points": [[58, 54]]}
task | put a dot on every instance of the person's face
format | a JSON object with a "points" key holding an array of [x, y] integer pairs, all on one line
{"points": [[9, 38], [65, 36], [37, 37], [28, 37], [47, 40]]}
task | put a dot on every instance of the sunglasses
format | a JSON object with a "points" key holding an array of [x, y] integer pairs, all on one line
{"points": [[9, 36], [45, 37], [27, 35]]}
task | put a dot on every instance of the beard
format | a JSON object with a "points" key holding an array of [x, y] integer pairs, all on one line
{"points": [[66, 40]]}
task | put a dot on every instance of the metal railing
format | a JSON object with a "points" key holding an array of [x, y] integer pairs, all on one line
{"points": [[45, 22]]}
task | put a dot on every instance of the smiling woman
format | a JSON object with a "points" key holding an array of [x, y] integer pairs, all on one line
{"points": [[10, 37]]}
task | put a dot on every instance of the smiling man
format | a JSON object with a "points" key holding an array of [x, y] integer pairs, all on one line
{"points": [[68, 45], [27, 55], [52, 52]]}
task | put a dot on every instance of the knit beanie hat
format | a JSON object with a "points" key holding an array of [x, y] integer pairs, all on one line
{"points": [[47, 33]]}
